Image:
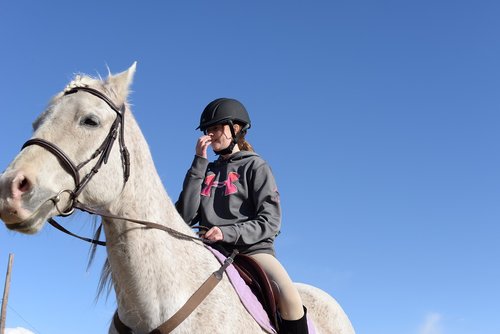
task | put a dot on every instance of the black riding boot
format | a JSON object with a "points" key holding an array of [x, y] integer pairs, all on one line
{"points": [[294, 326]]}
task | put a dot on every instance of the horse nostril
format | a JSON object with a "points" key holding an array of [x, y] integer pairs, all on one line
{"points": [[24, 185], [20, 185]]}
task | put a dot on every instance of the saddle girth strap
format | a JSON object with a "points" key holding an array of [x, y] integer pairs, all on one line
{"points": [[191, 304]]}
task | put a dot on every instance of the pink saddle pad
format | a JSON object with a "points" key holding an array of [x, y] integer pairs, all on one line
{"points": [[249, 300]]}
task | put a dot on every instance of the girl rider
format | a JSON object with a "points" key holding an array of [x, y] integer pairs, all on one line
{"points": [[237, 199]]}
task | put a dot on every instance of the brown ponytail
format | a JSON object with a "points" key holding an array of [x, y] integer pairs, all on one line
{"points": [[244, 145]]}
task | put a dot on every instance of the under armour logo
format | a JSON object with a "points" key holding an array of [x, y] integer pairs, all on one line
{"points": [[210, 183]]}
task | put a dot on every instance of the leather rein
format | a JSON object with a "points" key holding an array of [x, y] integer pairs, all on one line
{"points": [[102, 155]]}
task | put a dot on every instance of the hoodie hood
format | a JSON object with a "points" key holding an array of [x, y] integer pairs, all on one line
{"points": [[240, 155]]}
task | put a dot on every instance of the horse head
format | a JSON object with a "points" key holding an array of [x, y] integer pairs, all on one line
{"points": [[80, 131]]}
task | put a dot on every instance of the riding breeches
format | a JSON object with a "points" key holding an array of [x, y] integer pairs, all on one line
{"points": [[290, 305]]}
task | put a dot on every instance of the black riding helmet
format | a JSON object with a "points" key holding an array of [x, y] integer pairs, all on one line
{"points": [[225, 111], [222, 111]]}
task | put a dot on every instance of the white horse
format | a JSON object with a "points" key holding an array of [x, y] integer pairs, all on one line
{"points": [[153, 272]]}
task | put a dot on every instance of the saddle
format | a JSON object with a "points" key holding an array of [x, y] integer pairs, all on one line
{"points": [[266, 291]]}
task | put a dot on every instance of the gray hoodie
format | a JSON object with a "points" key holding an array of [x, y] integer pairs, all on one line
{"points": [[239, 195]]}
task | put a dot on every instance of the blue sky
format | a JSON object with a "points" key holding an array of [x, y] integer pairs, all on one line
{"points": [[380, 120]]}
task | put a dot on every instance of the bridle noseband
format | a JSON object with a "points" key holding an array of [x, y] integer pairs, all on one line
{"points": [[102, 153]]}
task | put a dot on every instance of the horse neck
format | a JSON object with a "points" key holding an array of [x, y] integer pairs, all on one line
{"points": [[149, 268]]}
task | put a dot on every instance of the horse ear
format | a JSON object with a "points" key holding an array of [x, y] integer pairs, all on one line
{"points": [[120, 83]]}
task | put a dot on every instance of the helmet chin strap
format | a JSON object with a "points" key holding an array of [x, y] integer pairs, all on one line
{"points": [[234, 141], [227, 150]]}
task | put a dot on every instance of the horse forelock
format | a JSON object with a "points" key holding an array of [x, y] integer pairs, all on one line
{"points": [[109, 87], [82, 80]]}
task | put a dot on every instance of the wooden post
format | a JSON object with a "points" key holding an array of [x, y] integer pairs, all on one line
{"points": [[3, 315]]}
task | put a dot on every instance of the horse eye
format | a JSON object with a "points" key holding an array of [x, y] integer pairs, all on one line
{"points": [[90, 121]]}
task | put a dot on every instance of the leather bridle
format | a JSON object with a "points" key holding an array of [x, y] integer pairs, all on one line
{"points": [[102, 153]]}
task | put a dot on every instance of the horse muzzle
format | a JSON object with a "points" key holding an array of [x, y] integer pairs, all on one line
{"points": [[23, 206]]}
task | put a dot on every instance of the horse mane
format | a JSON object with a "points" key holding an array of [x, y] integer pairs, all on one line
{"points": [[105, 284]]}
